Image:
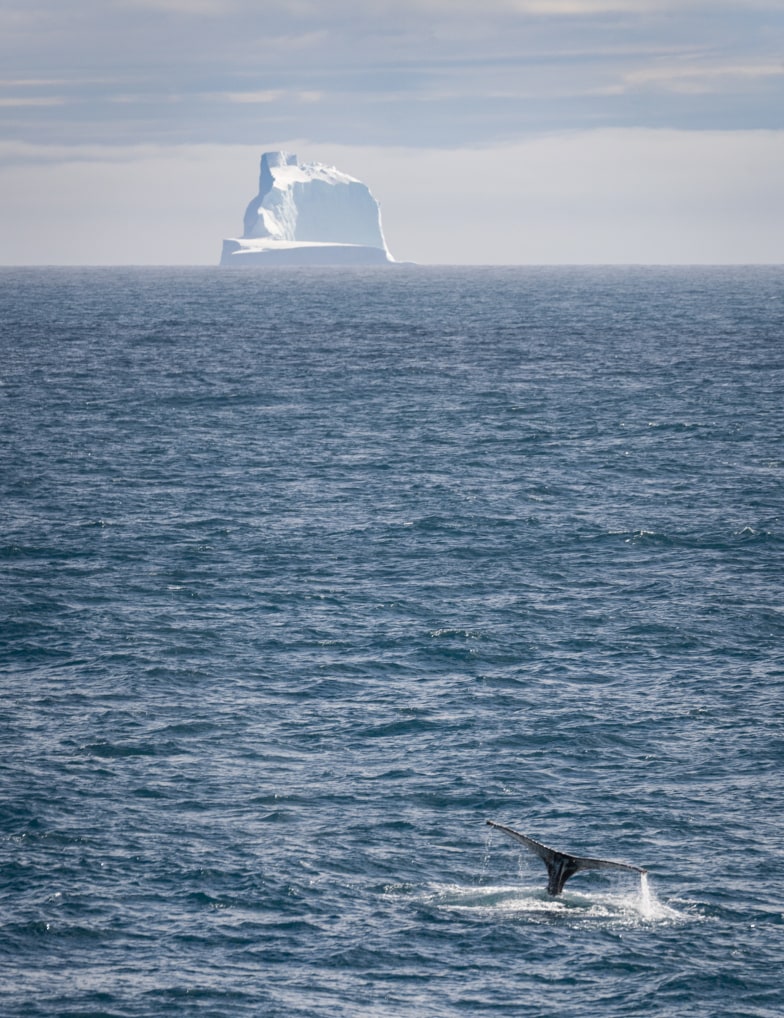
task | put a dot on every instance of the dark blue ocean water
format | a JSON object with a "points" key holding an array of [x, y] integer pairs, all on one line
{"points": [[305, 575]]}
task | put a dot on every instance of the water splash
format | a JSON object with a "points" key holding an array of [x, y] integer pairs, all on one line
{"points": [[649, 906], [486, 855], [532, 902], [646, 910]]}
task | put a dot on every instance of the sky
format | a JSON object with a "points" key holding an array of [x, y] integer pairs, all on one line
{"points": [[491, 131]]}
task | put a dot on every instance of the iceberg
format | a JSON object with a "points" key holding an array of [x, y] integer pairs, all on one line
{"points": [[308, 214]]}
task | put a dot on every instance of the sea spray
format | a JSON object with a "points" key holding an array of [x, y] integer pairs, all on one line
{"points": [[646, 906], [486, 856], [649, 906]]}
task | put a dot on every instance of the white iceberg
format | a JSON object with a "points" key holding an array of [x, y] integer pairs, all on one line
{"points": [[308, 214]]}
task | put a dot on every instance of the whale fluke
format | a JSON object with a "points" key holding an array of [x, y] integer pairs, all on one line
{"points": [[560, 865]]}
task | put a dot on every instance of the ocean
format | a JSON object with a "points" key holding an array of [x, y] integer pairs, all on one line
{"points": [[306, 575]]}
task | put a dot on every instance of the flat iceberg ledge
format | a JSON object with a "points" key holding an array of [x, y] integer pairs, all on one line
{"points": [[243, 252]]}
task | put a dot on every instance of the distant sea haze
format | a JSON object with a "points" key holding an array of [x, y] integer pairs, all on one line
{"points": [[306, 574]]}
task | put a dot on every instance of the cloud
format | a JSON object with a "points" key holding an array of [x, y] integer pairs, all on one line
{"points": [[270, 96], [581, 8], [193, 8], [396, 72], [31, 100], [701, 78]]}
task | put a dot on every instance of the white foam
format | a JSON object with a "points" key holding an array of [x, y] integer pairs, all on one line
{"points": [[504, 900]]}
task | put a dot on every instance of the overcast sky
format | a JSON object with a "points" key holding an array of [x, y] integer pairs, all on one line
{"points": [[491, 131]]}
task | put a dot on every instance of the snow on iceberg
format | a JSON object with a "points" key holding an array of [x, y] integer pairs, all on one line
{"points": [[308, 214]]}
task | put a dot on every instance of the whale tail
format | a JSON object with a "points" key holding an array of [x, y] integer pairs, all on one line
{"points": [[560, 865]]}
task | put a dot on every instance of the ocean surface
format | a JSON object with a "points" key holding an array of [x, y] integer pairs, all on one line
{"points": [[305, 575]]}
